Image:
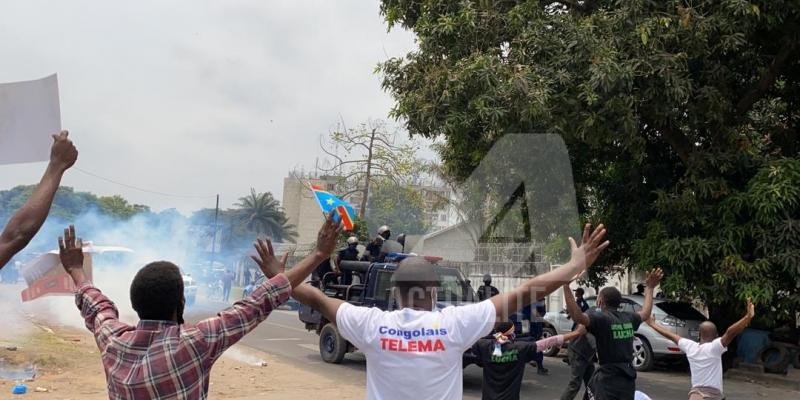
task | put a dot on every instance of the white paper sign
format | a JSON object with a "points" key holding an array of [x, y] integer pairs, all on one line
{"points": [[29, 115]]}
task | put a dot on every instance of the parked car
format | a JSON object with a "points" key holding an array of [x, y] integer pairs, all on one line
{"points": [[681, 317]]}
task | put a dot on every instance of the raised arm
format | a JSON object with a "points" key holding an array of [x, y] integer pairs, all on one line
{"points": [[100, 315], [270, 266], [663, 331], [573, 309], [737, 328], [653, 279], [306, 294], [24, 224], [232, 324], [542, 285]]}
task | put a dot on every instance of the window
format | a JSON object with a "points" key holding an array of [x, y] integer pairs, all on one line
{"points": [[383, 285], [681, 310]]}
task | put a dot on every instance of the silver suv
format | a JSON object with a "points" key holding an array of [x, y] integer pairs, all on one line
{"points": [[681, 317]]}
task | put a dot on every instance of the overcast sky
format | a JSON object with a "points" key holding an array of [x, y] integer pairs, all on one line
{"points": [[198, 97]]}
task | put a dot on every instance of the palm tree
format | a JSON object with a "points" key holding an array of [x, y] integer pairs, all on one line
{"points": [[262, 214]]}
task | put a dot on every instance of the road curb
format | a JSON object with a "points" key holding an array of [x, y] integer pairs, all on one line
{"points": [[791, 381]]}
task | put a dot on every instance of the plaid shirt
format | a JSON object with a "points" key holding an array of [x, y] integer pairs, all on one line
{"points": [[164, 360]]}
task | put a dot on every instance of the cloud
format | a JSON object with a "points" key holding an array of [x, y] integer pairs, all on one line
{"points": [[198, 97]]}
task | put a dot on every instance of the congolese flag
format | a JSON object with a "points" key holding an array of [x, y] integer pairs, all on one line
{"points": [[328, 202]]}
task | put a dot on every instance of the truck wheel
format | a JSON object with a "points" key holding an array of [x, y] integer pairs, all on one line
{"points": [[552, 351], [775, 359], [332, 346], [642, 355]]}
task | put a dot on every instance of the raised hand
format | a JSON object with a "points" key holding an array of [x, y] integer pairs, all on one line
{"points": [[63, 153], [266, 260], [327, 236], [654, 277], [751, 309], [592, 244], [70, 252]]}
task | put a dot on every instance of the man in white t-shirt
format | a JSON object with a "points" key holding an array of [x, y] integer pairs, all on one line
{"points": [[705, 358], [416, 351]]}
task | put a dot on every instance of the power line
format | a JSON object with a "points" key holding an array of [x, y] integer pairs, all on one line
{"points": [[141, 189]]}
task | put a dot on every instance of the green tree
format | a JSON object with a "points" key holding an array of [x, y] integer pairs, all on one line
{"points": [[117, 206], [369, 153], [401, 208], [262, 214], [674, 113]]}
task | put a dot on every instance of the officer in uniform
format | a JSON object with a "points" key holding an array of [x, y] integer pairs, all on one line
{"points": [[349, 253], [374, 247], [486, 290]]}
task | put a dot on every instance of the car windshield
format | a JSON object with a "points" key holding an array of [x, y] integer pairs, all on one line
{"points": [[681, 310]]}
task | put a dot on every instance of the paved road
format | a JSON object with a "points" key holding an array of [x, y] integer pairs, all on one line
{"points": [[282, 335]]}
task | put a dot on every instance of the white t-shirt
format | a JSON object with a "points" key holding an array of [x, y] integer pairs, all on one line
{"points": [[415, 354], [705, 361], [640, 396]]}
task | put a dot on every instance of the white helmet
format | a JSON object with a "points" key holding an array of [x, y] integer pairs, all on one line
{"points": [[383, 229], [352, 240]]}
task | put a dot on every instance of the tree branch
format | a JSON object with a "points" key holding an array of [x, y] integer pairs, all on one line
{"points": [[766, 81], [679, 142]]}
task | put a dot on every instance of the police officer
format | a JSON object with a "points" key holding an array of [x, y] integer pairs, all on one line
{"points": [[401, 238], [349, 253], [374, 247], [487, 291]]}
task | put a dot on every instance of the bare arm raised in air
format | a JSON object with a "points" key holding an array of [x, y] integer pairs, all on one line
{"points": [[304, 293], [653, 279], [592, 244], [663, 331], [24, 224], [737, 328], [230, 325], [573, 309], [326, 243]]}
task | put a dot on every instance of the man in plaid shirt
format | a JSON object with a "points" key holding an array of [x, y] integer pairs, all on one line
{"points": [[161, 358]]}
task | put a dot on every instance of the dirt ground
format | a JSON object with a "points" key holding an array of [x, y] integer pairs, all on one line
{"points": [[68, 366]]}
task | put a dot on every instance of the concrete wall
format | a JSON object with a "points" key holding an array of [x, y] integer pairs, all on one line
{"points": [[302, 210]]}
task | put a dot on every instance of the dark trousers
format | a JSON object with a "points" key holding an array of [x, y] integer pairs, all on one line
{"points": [[581, 370], [613, 382], [537, 330], [226, 292]]}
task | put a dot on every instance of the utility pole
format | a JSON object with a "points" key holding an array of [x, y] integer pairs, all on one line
{"points": [[214, 235]]}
